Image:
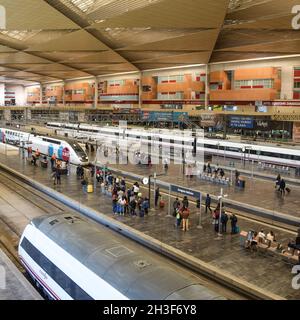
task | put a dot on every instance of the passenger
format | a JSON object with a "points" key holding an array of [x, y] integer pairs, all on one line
{"points": [[178, 218], [132, 206], [156, 196], [185, 218], [33, 161], [254, 241], [295, 245], [222, 173], [29, 151], [282, 187], [122, 203], [37, 154], [278, 179], [176, 205], [58, 176], [185, 202], [52, 160], [68, 167], [224, 220], [234, 220], [208, 168], [208, 203], [261, 236], [115, 203], [136, 189], [270, 238], [166, 166], [216, 216], [145, 205]]}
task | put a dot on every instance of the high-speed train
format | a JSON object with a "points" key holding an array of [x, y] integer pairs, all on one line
{"points": [[64, 149], [176, 139], [73, 258]]}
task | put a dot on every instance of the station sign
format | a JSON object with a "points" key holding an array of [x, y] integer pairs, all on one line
{"points": [[186, 192], [241, 122], [154, 116]]}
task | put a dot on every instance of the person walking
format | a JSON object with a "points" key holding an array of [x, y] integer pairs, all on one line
{"points": [[282, 187], [208, 203], [58, 176], [53, 160], [156, 196]]}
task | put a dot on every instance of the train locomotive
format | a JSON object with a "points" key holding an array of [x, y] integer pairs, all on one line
{"points": [[71, 257]]}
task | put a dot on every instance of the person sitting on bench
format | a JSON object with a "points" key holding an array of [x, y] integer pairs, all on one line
{"points": [[295, 245]]}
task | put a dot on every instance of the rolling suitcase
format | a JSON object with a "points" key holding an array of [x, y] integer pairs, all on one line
{"points": [[161, 204]]}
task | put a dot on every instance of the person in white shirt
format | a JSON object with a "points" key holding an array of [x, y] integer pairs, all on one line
{"points": [[271, 236], [261, 236]]}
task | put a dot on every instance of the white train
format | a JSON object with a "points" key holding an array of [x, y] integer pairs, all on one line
{"points": [[175, 139], [73, 258], [64, 149]]}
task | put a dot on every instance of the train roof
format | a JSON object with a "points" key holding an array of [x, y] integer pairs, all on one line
{"points": [[134, 270]]}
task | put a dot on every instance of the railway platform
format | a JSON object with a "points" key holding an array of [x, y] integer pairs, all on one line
{"points": [[13, 285], [269, 273], [257, 192]]}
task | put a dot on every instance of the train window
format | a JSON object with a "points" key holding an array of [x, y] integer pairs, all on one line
{"points": [[51, 141]]}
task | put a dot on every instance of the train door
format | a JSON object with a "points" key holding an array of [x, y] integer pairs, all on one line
{"points": [[50, 150], [60, 152]]}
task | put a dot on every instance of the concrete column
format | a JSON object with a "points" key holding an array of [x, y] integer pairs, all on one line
{"points": [[96, 93], [65, 116], [41, 94], [287, 82], [64, 96], [7, 115], [207, 70], [2, 94], [81, 116], [140, 90]]}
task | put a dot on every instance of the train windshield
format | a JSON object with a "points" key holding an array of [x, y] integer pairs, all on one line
{"points": [[78, 150]]}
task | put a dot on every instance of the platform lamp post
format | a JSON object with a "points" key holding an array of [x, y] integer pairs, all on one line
{"points": [[220, 198]]}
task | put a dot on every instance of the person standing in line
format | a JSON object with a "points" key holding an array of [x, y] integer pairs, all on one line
{"points": [[185, 218], [233, 220], [185, 202], [208, 203]]}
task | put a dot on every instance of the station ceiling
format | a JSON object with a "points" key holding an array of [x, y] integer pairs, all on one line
{"points": [[64, 39]]}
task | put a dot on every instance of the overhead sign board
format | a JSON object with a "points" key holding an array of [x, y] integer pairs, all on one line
{"points": [[186, 192]]}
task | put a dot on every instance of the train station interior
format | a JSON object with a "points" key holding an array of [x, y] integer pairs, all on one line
{"points": [[149, 150]]}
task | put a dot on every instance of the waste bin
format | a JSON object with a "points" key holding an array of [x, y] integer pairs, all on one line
{"points": [[44, 164]]}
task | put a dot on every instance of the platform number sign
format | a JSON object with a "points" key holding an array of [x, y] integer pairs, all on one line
{"points": [[296, 18], [66, 154]]}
